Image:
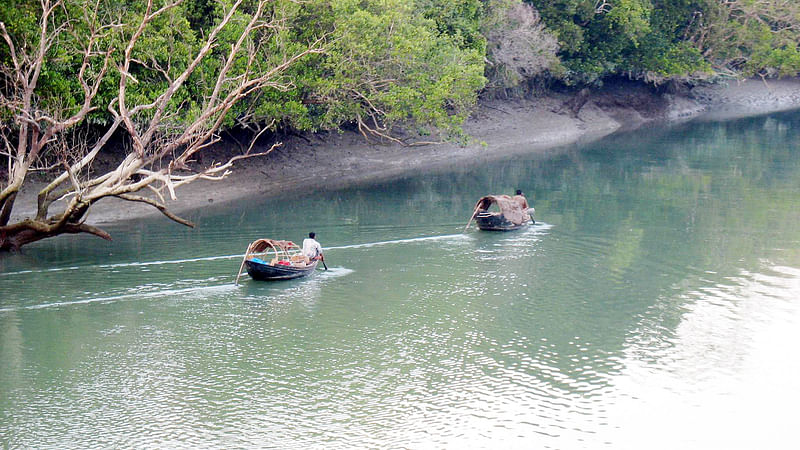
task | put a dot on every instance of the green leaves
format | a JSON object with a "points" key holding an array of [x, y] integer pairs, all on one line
{"points": [[420, 63], [756, 37], [658, 39], [390, 62], [640, 38]]}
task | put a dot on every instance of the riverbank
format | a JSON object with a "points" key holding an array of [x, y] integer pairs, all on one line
{"points": [[498, 128]]}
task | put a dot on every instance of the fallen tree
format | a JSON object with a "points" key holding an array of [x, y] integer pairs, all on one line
{"points": [[162, 126]]}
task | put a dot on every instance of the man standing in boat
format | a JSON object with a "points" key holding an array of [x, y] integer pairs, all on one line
{"points": [[311, 248], [523, 202], [520, 198]]}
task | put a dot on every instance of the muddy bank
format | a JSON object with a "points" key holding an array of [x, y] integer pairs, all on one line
{"points": [[498, 127]]}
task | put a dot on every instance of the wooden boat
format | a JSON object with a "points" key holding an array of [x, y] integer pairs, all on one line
{"points": [[509, 213], [488, 221], [272, 260]]}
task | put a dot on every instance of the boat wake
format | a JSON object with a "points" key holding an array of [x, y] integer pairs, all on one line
{"points": [[445, 237], [183, 292], [122, 265], [333, 272], [223, 257], [194, 289], [199, 284]]}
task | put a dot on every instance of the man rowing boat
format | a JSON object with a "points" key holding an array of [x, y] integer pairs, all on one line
{"points": [[311, 248]]}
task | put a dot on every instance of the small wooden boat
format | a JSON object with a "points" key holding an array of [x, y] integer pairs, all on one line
{"points": [[272, 260], [488, 221], [510, 213]]}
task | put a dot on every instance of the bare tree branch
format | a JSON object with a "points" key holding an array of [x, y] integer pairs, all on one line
{"points": [[162, 143], [158, 206]]}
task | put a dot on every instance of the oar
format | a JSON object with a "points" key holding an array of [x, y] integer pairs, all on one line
{"points": [[323, 263], [242, 266], [471, 217]]}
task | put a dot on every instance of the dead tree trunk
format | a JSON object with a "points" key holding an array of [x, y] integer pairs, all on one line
{"points": [[161, 151]]}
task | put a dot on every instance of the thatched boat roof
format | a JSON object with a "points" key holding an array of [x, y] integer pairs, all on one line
{"points": [[513, 208]]}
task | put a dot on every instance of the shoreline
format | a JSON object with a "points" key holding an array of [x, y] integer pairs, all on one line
{"points": [[499, 128]]}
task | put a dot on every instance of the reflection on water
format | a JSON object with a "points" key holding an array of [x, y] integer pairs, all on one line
{"points": [[728, 376], [653, 307]]}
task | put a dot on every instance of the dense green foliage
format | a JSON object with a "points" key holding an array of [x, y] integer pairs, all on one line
{"points": [[387, 62], [416, 63], [658, 39], [642, 38]]}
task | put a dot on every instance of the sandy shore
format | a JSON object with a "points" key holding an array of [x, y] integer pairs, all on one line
{"points": [[499, 128]]}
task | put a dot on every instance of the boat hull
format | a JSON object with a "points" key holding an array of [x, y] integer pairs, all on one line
{"points": [[265, 272], [496, 222]]}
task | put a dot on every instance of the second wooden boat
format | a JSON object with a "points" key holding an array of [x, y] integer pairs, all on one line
{"points": [[502, 213]]}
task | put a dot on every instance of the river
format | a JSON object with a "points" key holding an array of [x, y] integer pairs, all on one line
{"points": [[655, 304]]}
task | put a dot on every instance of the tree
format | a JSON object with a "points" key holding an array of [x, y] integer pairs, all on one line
{"points": [[388, 64], [750, 38], [643, 39], [390, 67], [519, 47], [595, 35], [164, 90]]}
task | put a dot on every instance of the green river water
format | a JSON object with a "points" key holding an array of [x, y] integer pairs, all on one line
{"points": [[656, 304]]}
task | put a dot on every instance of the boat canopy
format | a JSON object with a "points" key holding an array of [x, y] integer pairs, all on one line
{"points": [[262, 245], [515, 208]]}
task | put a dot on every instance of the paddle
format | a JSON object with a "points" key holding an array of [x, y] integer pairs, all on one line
{"points": [[471, 217], [242, 266], [323, 263]]}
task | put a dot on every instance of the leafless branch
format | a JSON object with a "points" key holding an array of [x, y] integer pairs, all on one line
{"points": [[161, 146]]}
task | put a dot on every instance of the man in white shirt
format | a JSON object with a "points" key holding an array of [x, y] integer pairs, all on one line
{"points": [[311, 248]]}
